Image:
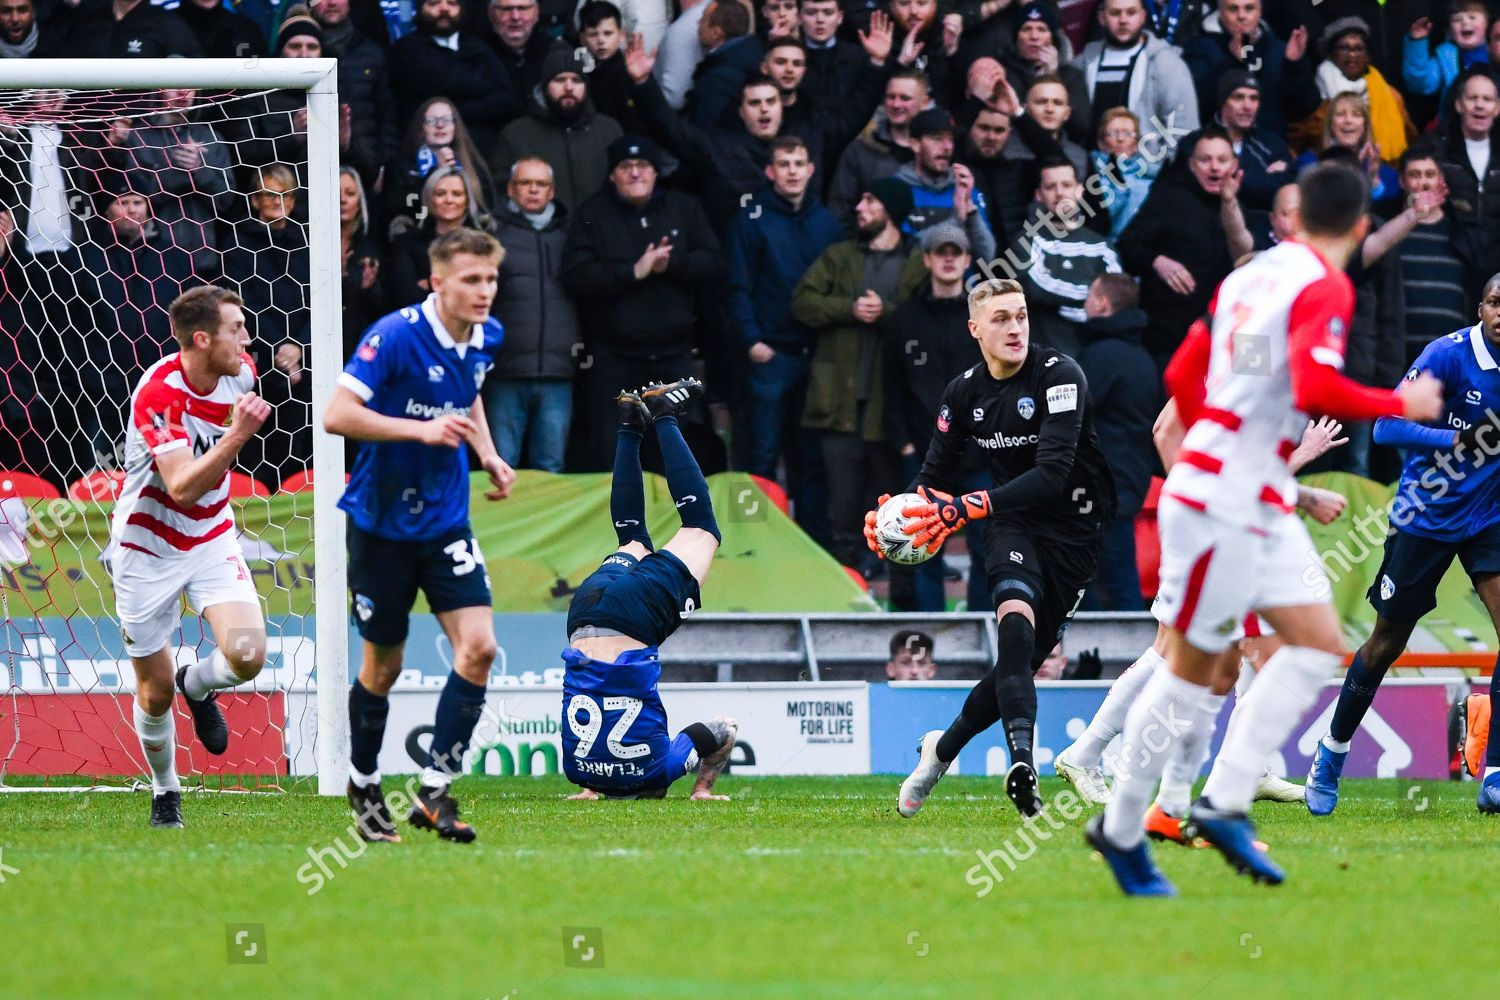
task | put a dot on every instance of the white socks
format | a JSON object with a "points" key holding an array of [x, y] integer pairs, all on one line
{"points": [[1088, 749], [1188, 757], [1337, 746], [158, 737], [1164, 712], [433, 778], [211, 674], [1286, 688], [364, 780]]}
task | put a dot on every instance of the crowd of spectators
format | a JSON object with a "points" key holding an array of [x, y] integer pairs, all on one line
{"points": [[785, 195]]}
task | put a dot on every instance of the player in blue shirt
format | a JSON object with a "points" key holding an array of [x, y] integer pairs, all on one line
{"points": [[1447, 504], [614, 729], [410, 396]]}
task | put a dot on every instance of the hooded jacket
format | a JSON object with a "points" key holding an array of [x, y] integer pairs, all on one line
{"points": [[578, 151], [932, 202], [540, 319], [1161, 88], [872, 155], [1127, 397]]}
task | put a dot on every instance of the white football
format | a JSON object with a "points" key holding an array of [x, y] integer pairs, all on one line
{"points": [[893, 541]]}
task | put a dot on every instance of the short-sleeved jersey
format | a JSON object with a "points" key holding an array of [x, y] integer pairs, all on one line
{"points": [[168, 414], [1462, 500], [408, 365], [614, 727], [1040, 417], [1233, 460]]}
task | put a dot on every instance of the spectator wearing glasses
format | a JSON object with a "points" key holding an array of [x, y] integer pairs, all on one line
{"points": [[439, 59], [1124, 176], [528, 398], [436, 137], [1346, 69]]}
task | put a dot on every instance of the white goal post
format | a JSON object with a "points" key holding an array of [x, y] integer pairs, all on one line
{"points": [[318, 79]]}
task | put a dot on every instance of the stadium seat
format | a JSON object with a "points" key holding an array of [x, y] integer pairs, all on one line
{"points": [[297, 482], [1148, 541], [104, 484], [242, 485], [773, 492], [26, 486]]}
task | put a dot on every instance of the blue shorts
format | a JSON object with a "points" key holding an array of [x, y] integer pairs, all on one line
{"points": [[385, 575], [1405, 589], [624, 779], [645, 599]]}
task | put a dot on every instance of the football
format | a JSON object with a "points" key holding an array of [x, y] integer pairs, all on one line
{"points": [[894, 542]]}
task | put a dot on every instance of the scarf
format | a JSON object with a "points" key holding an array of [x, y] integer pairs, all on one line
{"points": [[22, 49], [539, 220], [1389, 124], [1332, 82], [338, 36]]}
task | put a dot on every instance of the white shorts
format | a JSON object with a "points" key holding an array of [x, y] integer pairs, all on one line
{"points": [[149, 589], [1213, 574], [1253, 627]]}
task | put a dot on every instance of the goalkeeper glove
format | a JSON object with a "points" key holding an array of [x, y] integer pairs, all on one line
{"points": [[870, 538], [942, 515]]}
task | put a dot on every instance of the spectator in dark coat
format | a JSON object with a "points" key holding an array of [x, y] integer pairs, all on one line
{"points": [[831, 62], [599, 28], [222, 33], [436, 137], [448, 202], [1233, 37], [995, 175], [46, 181], [1261, 152], [22, 36], [1042, 48], [1177, 244], [439, 60], [528, 398], [635, 260], [363, 298], [928, 345], [515, 38], [882, 147], [731, 161], [26, 405], [132, 274], [562, 127], [267, 264], [124, 29], [1126, 395], [772, 242], [184, 167], [734, 54], [1473, 174], [364, 85]]}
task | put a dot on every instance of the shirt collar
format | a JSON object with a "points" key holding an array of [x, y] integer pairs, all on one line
{"points": [[444, 338], [1482, 355]]}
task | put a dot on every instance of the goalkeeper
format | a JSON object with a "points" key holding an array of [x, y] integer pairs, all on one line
{"points": [[1026, 409]]}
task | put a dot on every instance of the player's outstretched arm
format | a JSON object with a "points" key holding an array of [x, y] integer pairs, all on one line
{"points": [[348, 416], [188, 478]]}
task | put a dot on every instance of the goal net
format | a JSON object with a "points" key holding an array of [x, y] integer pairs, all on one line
{"points": [[124, 183]]}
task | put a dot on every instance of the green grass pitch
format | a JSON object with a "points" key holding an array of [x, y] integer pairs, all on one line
{"points": [[798, 888]]}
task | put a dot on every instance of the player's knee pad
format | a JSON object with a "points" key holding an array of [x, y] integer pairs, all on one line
{"points": [[1013, 589]]}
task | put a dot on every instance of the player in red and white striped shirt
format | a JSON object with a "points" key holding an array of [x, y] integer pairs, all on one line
{"points": [[1244, 383], [173, 532]]}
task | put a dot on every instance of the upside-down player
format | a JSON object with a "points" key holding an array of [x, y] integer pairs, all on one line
{"points": [[1447, 504], [1243, 381], [173, 532], [410, 396], [614, 729], [1027, 408], [1080, 762]]}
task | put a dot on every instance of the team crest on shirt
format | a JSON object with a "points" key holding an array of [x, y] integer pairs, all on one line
{"points": [[368, 349], [944, 420], [1025, 406], [435, 373]]}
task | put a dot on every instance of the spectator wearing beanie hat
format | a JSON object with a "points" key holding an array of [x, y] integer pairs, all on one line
{"points": [[1042, 47], [845, 299], [1262, 152], [942, 190], [1346, 68], [1236, 36], [562, 126]]}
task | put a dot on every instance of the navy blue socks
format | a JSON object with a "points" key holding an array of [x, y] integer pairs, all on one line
{"points": [[684, 479], [367, 714], [1360, 685], [458, 711], [627, 494]]}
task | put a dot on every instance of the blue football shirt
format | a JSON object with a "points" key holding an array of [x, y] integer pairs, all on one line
{"points": [[407, 365], [1443, 495], [614, 726]]}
